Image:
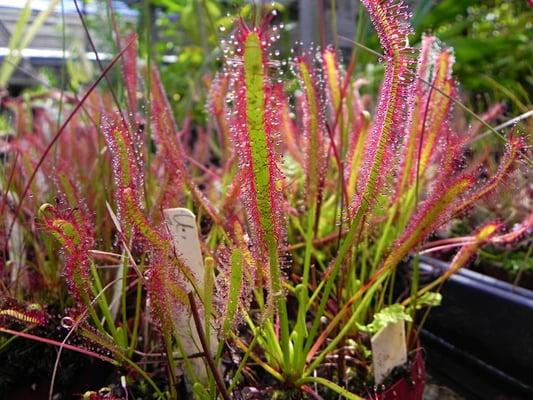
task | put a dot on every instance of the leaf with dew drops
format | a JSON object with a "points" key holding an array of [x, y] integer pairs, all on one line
{"points": [[13, 311], [390, 19], [253, 131], [74, 232]]}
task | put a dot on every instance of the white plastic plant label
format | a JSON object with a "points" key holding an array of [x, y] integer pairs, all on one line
{"points": [[181, 223], [388, 350]]}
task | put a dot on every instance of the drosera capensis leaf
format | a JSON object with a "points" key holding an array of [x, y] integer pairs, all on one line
{"points": [[129, 68], [236, 278], [315, 148], [56, 343], [31, 314], [313, 127], [253, 128], [391, 24], [165, 135], [76, 237], [433, 122], [255, 152], [430, 216], [465, 254], [332, 73], [515, 147], [421, 90]]}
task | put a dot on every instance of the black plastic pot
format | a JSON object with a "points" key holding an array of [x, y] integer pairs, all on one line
{"points": [[481, 337]]}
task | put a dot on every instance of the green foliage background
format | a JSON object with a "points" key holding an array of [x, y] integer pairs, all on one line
{"points": [[493, 45], [492, 42]]}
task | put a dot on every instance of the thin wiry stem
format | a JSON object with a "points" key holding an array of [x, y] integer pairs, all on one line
{"points": [[98, 61], [421, 141], [506, 124], [207, 350], [455, 101], [63, 69], [79, 320], [58, 135]]}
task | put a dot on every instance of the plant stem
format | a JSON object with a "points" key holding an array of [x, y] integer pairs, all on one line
{"points": [[207, 351]]}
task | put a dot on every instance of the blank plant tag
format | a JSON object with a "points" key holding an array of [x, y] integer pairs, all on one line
{"points": [[388, 350]]}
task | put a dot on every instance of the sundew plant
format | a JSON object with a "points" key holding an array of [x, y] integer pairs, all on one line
{"points": [[308, 196]]}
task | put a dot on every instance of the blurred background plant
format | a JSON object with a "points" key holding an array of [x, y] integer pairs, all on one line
{"points": [[492, 44]]}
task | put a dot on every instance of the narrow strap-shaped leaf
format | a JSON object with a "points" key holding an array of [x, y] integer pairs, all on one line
{"points": [[439, 109], [254, 119], [166, 133], [236, 277], [465, 254], [129, 68], [331, 70], [514, 147], [412, 137], [469, 250], [313, 125], [254, 77], [74, 231], [315, 149], [427, 219], [31, 314], [390, 20]]}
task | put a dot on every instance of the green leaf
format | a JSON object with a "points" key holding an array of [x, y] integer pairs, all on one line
{"points": [[429, 299], [208, 294], [234, 290], [388, 315], [121, 338], [199, 392], [22, 37], [255, 110]]}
